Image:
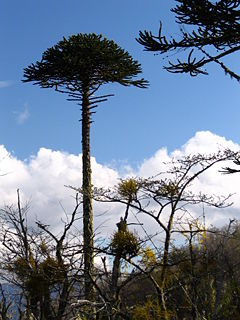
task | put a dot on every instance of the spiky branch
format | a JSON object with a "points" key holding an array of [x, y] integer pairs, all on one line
{"points": [[215, 34]]}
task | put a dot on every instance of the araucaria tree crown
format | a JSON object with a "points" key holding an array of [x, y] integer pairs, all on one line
{"points": [[84, 59]]}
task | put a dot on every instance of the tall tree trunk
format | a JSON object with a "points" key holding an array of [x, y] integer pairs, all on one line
{"points": [[87, 197], [63, 299], [193, 278], [164, 269], [116, 273], [46, 306]]}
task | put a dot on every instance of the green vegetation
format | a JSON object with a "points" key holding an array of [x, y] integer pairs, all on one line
{"points": [[183, 269]]}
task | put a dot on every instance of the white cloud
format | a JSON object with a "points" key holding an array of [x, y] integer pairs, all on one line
{"points": [[5, 83], [22, 116], [203, 142], [211, 182], [43, 177]]}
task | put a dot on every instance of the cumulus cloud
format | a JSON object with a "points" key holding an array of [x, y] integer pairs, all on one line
{"points": [[203, 142], [42, 179], [212, 182]]}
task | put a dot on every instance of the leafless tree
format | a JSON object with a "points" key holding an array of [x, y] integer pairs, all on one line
{"points": [[47, 268], [169, 201]]}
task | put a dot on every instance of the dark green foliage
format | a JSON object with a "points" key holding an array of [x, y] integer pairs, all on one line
{"points": [[213, 34], [84, 59]]}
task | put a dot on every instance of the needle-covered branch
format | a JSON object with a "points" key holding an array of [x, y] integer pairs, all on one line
{"points": [[214, 33]]}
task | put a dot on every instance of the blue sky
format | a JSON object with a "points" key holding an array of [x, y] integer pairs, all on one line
{"points": [[131, 130], [134, 123]]}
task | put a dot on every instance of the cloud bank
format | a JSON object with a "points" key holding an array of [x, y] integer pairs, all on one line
{"points": [[42, 179]]}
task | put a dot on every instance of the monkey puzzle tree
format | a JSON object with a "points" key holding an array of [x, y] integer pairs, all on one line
{"points": [[78, 66], [213, 34]]}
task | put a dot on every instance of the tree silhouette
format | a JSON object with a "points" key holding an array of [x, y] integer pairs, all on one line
{"points": [[213, 33], [79, 66]]}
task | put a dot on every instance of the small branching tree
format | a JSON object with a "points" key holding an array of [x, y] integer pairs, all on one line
{"points": [[168, 202], [79, 66], [46, 268]]}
